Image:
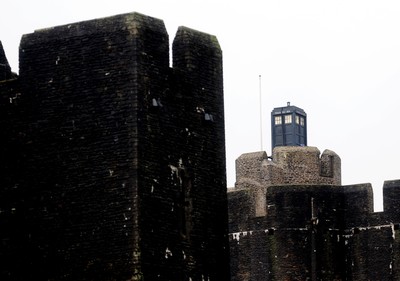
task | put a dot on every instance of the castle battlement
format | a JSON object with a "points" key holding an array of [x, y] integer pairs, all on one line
{"points": [[291, 219], [289, 165]]}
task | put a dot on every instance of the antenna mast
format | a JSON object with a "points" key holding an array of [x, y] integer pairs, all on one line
{"points": [[261, 124]]}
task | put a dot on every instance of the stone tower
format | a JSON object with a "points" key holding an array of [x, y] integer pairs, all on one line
{"points": [[113, 163]]}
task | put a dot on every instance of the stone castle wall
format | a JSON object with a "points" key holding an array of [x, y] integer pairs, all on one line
{"points": [[289, 165], [316, 231], [106, 152]]}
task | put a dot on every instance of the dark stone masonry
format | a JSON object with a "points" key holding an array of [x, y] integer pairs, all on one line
{"points": [[291, 219], [112, 168], [5, 69], [113, 163]]}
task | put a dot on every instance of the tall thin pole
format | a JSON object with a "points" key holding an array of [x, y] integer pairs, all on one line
{"points": [[261, 123]]}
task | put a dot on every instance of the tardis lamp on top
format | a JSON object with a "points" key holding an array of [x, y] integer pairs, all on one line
{"points": [[289, 126]]}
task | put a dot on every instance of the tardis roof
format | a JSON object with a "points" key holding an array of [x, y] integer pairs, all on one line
{"points": [[288, 109]]}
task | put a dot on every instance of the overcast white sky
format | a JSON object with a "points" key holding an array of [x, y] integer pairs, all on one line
{"points": [[338, 60]]}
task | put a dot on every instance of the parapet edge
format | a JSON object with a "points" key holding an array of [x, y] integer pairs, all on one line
{"points": [[128, 21], [5, 69], [197, 52], [199, 36]]}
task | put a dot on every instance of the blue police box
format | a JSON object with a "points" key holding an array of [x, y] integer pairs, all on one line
{"points": [[288, 126]]}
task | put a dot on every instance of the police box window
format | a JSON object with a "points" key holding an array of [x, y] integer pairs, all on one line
{"points": [[301, 121], [278, 120], [288, 119]]}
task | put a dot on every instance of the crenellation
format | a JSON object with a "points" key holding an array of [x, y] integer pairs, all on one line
{"points": [[5, 69], [358, 204], [391, 199], [249, 165], [331, 166], [320, 230], [305, 165], [290, 165]]}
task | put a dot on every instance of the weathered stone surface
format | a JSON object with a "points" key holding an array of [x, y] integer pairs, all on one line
{"points": [[5, 69], [113, 168], [314, 231]]}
